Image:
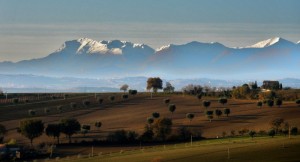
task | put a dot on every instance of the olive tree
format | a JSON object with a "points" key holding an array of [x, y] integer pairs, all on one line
{"points": [[218, 113], [206, 104], [155, 115], [210, 115], [226, 111], [53, 130], [190, 116], [223, 101], [31, 128], [259, 104], [172, 108], [69, 127], [278, 102], [252, 133]]}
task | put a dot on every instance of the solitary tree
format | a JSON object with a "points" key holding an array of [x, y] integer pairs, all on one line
{"points": [[218, 112], [210, 115], [278, 102], [172, 108], [154, 84], [206, 104], [190, 116], [69, 127], [227, 111], [223, 101], [31, 128], [124, 87], [252, 133], [162, 128], [54, 130], [2, 132], [259, 104], [155, 115]]}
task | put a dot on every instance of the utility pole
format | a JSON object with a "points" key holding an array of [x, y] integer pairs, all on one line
{"points": [[191, 140]]}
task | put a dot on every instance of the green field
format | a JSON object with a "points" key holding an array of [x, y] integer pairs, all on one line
{"points": [[262, 149]]}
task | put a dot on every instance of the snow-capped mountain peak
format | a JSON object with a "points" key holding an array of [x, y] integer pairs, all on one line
{"points": [[90, 46], [271, 42], [298, 42]]}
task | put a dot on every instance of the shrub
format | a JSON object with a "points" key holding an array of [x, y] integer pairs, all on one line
{"points": [[206, 104], [124, 96], [259, 104], [86, 103], [199, 96], [98, 124], [218, 112], [132, 92], [155, 115], [167, 101], [271, 133], [111, 98], [100, 100], [298, 102], [252, 133], [270, 103], [294, 131], [223, 101], [278, 102], [122, 136]]}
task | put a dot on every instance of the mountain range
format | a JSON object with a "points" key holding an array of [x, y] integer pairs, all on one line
{"points": [[86, 58]]}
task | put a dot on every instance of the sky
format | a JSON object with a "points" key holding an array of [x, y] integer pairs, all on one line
{"points": [[34, 28]]}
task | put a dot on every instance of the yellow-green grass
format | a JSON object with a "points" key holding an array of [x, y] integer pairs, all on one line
{"points": [[264, 149]]}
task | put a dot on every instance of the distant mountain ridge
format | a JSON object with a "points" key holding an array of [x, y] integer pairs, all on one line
{"points": [[84, 57]]}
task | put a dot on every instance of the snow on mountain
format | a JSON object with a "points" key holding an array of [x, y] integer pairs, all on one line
{"points": [[271, 42], [89, 46], [298, 42]]}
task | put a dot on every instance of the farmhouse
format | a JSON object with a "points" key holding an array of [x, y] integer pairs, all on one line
{"points": [[271, 85]]}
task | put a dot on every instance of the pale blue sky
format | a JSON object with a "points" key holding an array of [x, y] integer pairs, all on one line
{"points": [[35, 28]]}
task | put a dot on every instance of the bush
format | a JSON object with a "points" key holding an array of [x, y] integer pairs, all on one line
{"points": [[100, 100], [294, 131], [124, 96], [167, 101], [272, 133], [298, 102], [111, 98], [270, 103], [223, 101], [86, 103], [132, 92], [259, 104], [155, 115]]}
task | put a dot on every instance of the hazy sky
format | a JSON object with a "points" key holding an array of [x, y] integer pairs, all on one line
{"points": [[35, 28]]}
